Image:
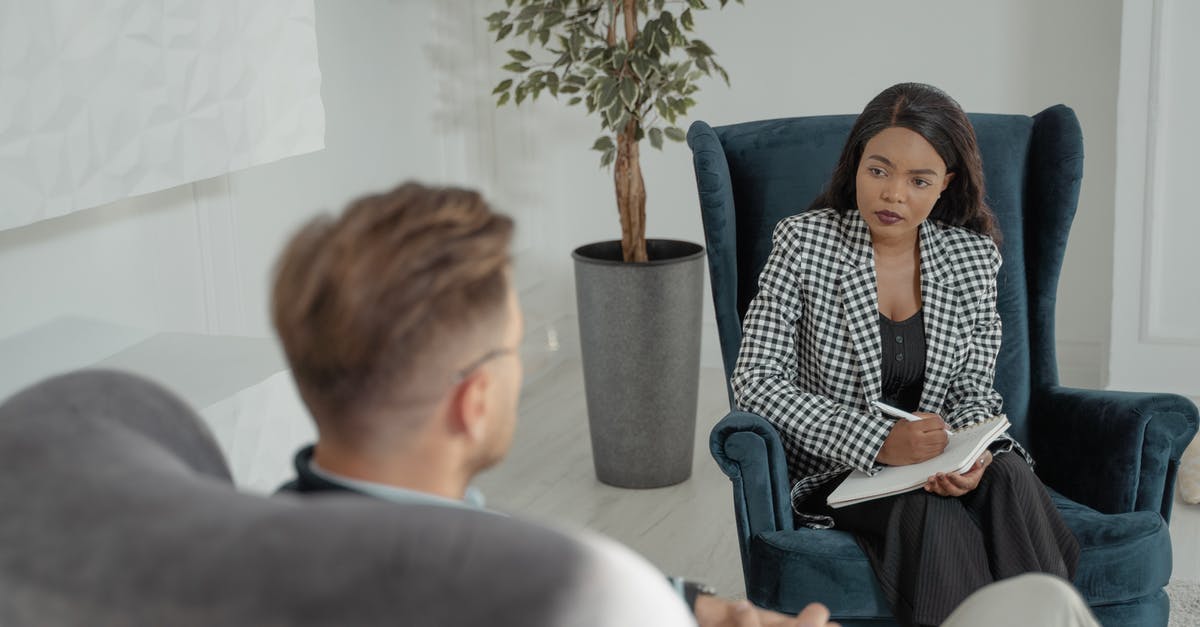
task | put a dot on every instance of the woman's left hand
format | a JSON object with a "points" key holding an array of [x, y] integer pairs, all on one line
{"points": [[953, 484]]}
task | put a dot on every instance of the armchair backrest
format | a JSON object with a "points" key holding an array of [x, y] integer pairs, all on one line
{"points": [[752, 175]]}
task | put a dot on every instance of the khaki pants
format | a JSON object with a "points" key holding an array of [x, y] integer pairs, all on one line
{"points": [[1031, 599]]}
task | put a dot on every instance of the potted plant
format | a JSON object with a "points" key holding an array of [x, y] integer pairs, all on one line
{"points": [[635, 64]]}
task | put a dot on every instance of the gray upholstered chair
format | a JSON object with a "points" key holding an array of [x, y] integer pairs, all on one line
{"points": [[1110, 457], [119, 510]]}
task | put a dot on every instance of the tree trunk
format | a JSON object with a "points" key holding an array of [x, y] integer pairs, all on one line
{"points": [[631, 195], [631, 189]]}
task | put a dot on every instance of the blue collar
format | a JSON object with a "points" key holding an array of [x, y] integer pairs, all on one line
{"points": [[472, 499]]}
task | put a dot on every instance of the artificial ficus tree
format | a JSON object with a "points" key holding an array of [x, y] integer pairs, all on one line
{"points": [[634, 62]]}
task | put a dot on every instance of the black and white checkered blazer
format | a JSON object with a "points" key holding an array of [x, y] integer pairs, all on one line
{"points": [[810, 360]]}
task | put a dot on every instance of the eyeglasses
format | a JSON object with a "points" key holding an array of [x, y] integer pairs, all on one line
{"points": [[461, 375]]}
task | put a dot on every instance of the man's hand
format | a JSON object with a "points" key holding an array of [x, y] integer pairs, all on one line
{"points": [[953, 484], [717, 612], [914, 442]]}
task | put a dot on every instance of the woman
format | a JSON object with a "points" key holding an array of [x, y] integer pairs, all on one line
{"points": [[886, 290]]}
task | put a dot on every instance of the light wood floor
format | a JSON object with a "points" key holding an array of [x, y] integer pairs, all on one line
{"points": [[686, 529]]}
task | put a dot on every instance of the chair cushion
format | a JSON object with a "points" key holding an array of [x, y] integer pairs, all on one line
{"points": [[1124, 557]]}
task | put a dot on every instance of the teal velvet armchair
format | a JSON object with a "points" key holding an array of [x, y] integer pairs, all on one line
{"points": [[1109, 458]]}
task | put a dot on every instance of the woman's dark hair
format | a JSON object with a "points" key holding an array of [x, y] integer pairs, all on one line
{"points": [[932, 114]]}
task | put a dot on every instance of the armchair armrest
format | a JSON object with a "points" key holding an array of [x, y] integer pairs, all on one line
{"points": [[749, 451], [1112, 451]]}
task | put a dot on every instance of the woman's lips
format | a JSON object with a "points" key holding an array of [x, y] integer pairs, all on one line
{"points": [[887, 217]]}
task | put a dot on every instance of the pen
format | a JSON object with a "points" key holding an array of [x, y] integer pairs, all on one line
{"points": [[900, 413]]}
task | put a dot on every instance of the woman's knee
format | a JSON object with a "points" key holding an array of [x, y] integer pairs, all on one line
{"points": [[1012, 467]]}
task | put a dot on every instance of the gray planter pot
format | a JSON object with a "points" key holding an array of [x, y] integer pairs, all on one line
{"points": [[639, 330]]}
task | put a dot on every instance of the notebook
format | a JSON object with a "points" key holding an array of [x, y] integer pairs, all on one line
{"points": [[964, 448]]}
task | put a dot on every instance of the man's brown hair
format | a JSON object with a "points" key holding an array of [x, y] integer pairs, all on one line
{"points": [[362, 302]]}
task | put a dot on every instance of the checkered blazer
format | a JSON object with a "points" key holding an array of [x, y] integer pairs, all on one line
{"points": [[810, 359]]}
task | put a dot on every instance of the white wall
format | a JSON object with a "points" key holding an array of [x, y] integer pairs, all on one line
{"points": [[406, 98], [1155, 333]]}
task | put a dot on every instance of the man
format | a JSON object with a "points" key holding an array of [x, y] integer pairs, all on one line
{"points": [[401, 324]]}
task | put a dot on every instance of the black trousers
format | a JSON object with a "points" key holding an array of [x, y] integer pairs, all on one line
{"points": [[930, 552]]}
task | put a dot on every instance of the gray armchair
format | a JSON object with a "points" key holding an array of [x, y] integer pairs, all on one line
{"points": [[119, 510]]}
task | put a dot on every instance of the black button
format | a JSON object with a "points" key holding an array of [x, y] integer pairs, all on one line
{"points": [[899, 357], [899, 339]]}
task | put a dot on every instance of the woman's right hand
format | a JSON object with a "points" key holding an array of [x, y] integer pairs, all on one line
{"points": [[914, 442]]}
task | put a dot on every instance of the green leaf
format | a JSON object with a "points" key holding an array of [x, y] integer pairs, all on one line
{"points": [[552, 18], [498, 16], [603, 143], [664, 110], [641, 68], [504, 31], [700, 48], [685, 19], [502, 99], [697, 4], [618, 60], [656, 138], [515, 67], [519, 55], [606, 92], [675, 134], [574, 101], [575, 45], [613, 112], [623, 120], [503, 86], [628, 92], [521, 92], [608, 158]]}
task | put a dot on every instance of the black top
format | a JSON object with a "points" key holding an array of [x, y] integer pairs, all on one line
{"points": [[903, 360], [306, 480]]}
